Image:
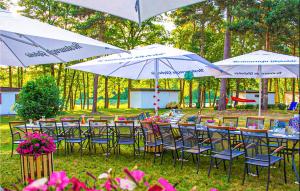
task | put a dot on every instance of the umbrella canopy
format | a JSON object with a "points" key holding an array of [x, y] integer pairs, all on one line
{"points": [[151, 62], [141, 63], [25, 42], [134, 10], [260, 64]]}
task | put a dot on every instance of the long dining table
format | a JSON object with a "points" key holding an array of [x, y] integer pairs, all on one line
{"points": [[294, 138]]}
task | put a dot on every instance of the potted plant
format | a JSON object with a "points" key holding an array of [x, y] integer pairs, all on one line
{"points": [[36, 156]]}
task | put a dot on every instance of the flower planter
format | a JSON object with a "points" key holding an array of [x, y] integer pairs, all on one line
{"points": [[150, 137], [36, 167]]}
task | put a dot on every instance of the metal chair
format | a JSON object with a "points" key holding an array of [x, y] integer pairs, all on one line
{"points": [[222, 148], [18, 130], [255, 122], [203, 118], [230, 121], [152, 138], [171, 140], [50, 128], [191, 144], [101, 134], [258, 154], [125, 134], [73, 134]]}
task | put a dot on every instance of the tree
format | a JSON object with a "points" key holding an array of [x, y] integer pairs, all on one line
{"points": [[37, 98]]}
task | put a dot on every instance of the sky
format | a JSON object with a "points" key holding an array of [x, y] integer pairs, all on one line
{"points": [[169, 25]]}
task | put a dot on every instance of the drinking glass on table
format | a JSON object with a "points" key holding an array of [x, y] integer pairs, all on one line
{"points": [[30, 121]]}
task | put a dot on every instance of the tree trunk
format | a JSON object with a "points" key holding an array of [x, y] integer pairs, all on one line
{"points": [[70, 89], [215, 96], [95, 94], [59, 74], [276, 90], [191, 94], [87, 91], [293, 89], [129, 88], [119, 95], [22, 78], [10, 76], [52, 70], [199, 94], [237, 91], [227, 47], [265, 81], [65, 89], [204, 97], [106, 100]]}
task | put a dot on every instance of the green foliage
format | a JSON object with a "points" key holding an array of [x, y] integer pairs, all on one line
{"points": [[281, 106], [38, 98], [247, 106]]}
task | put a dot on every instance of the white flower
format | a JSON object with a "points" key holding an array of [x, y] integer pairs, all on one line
{"points": [[103, 176], [126, 184]]}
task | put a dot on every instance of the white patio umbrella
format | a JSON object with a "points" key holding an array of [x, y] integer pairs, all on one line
{"points": [[260, 64], [25, 42], [134, 10], [150, 62]]}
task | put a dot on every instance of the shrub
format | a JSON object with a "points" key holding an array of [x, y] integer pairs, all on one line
{"points": [[271, 106], [248, 106], [38, 98], [281, 106]]}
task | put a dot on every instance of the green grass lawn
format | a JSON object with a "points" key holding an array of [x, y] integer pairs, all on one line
{"points": [[185, 179]]}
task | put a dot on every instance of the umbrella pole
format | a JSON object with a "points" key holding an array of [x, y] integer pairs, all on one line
{"points": [[156, 87], [259, 99]]}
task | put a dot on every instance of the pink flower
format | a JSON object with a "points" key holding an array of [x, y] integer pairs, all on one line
{"points": [[213, 189], [138, 175], [167, 186], [155, 188], [135, 175], [59, 180], [107, 185], [77, 185]]}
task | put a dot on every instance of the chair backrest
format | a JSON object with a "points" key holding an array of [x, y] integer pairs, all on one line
{"points": [[230, 121], [125, 128], [293, 106], [279, 123], [189, 135], [167, 134], [49, 127], [256, 144], [220, 140], [203, 118], [141, 116], [150, 134], [99, 129], [147, 115], [255, 122], [18, 127], [72, 129]]}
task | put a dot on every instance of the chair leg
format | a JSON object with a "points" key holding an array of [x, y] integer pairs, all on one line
{"points": [[12, 149], [245, 171], [284, 167], [154, 157], [210, 165], [268, 182], [257, 171], [162, 156], [182, 157], [229, 170], [198, 162], [224, 164]]}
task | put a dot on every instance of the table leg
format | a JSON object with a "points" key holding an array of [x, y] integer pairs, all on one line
{"points": [[294, 151]]}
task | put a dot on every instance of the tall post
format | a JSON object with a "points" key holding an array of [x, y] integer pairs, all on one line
{"points": [[156, 69], [259, 99]]}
